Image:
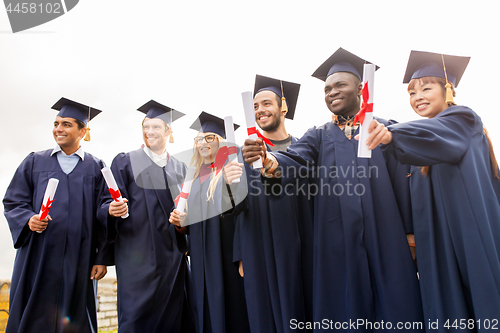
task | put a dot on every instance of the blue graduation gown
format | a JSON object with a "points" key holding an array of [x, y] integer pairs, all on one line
{"points": [[362, 263], [219, 290], [51, 290], [275, 241], [456, 214], [150, 270]]}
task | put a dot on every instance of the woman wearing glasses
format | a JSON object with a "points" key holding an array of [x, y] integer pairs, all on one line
{"points": [[218, 288]]}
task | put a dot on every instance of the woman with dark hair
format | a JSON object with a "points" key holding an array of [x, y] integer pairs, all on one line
{"points": [[455, 191]]}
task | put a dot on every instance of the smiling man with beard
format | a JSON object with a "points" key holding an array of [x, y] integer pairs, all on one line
{"points": [[363, 267], [273, 239], [150, 270]]}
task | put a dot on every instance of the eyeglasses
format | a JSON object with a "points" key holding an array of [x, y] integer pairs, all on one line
{"points": [[208, 138]]}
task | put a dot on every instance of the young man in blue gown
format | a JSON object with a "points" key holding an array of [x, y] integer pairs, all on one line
{"points": [[59, 256]]}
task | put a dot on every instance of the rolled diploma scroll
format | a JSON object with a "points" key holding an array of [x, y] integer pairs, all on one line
{"points": [[250, 120], [48, 198], [231, 140], [111, 182], [186, 188], [368, 78]]}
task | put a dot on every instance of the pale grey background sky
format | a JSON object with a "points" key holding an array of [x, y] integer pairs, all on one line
{"points": [[200, 55]]}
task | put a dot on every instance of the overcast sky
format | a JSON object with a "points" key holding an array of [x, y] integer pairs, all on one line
{"points": [[200, 55]]}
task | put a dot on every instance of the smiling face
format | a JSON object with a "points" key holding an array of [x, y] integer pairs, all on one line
{"points": [[155, 133], [427, 97], [207, 150], [267, 111], [342, 93], [67, 134]]}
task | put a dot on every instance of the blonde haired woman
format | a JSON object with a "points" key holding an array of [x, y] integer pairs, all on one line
{"points": [[218, 287]]}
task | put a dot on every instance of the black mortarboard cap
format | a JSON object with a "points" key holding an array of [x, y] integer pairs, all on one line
{"points": [[341, 61], [153, 109], [207, 122], [71, 109], [290, 91], [423, 64]]}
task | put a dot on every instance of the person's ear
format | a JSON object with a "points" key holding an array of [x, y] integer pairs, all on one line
{"points": [[83, 132]]}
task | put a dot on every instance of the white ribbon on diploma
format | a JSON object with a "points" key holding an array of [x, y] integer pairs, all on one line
{"points": [[231, 140], [368, 79], [186, 188], [48, 198], [111, 182], [250, 120]]}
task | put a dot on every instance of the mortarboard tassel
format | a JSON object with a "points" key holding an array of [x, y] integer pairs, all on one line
{"points": [[284, 107], [171, 139], [449, 92], [87, 135]]}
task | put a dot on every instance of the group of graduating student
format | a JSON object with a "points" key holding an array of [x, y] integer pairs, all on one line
{"points": [[262, 260]]}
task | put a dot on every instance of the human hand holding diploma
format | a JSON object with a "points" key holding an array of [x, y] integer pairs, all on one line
{"points": [[115, 209], [371, 132], [254, 148], [233, 172], [378, 134], [39, 222], [231, 141], [178, 216], [365, 114], [181, 200]]}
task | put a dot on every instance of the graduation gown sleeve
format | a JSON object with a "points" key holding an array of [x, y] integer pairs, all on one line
{"points": [[18, 202], [399, 175], [121, 178], [302, 154], [442, 139], [105, 255]]}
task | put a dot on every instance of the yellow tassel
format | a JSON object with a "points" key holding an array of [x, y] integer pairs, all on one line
{"points": [[284, 108], [449, 94], [87, 135], [171, 139]]}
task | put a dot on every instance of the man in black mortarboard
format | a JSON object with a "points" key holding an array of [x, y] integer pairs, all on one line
{"points": [[273, 241], [150, 270], [59, 256], [363, 268]]}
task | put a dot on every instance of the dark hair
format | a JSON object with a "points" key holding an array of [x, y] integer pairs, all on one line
{"points": [[442, 82], [432, 79], [280, 101], [80, 124]]}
